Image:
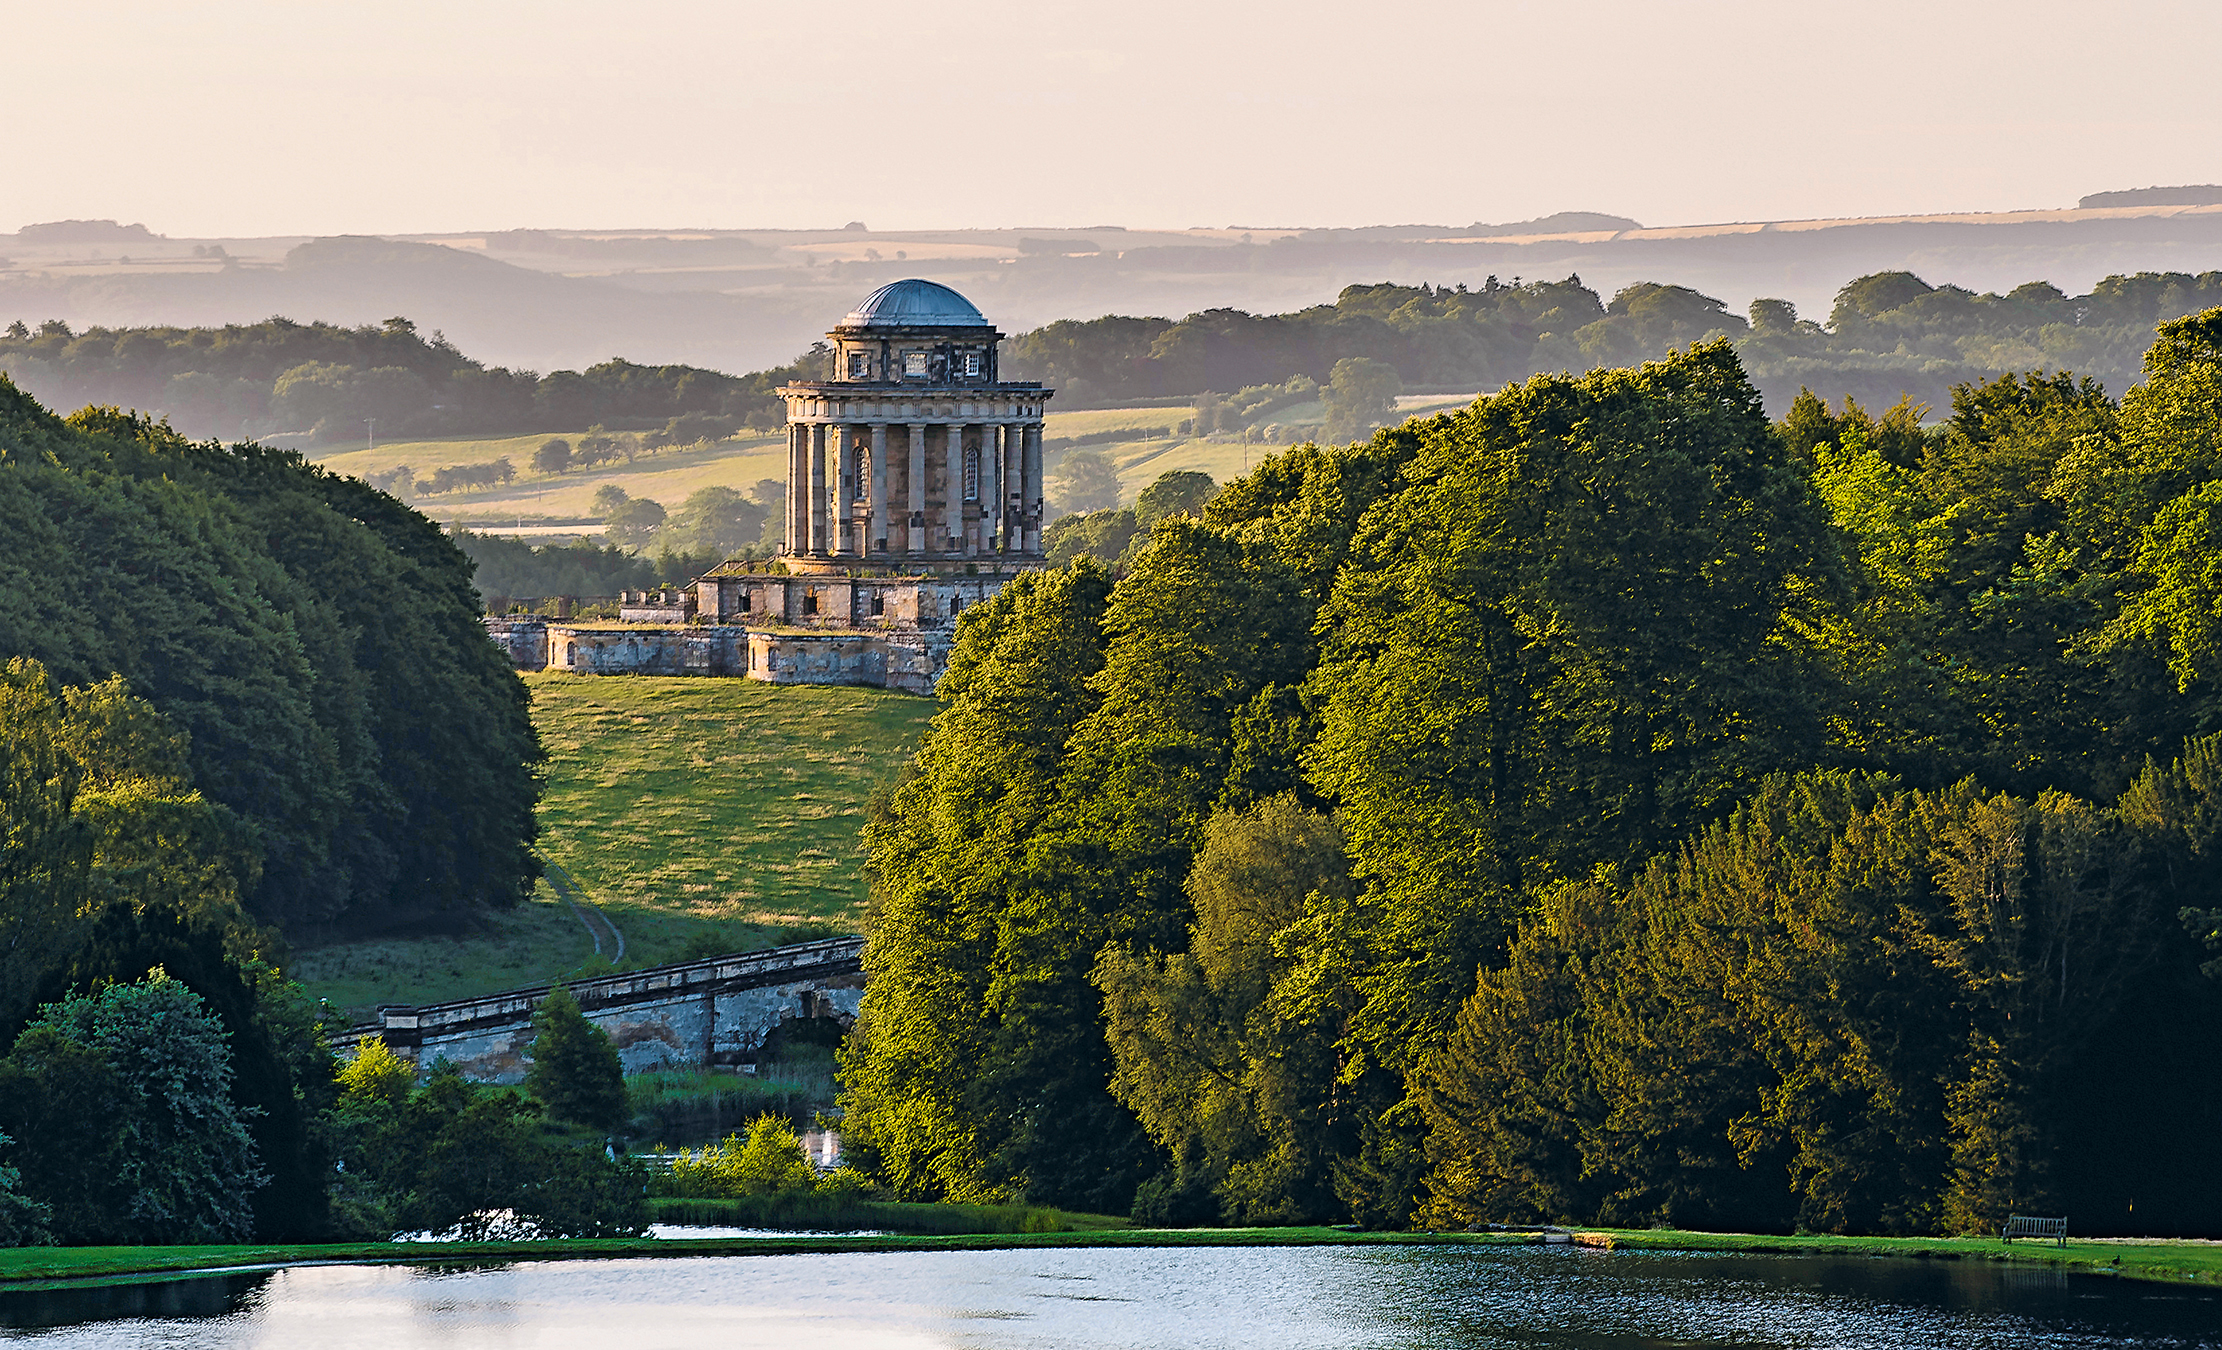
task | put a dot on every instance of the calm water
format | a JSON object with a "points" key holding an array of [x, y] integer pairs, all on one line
{"points": [[1318, 1297]]}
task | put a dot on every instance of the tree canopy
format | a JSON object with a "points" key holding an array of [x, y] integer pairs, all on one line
{"points": [[1601, 804], [317, 644]]}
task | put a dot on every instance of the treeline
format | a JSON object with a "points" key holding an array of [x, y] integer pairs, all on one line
{"points": [[1599, 804], [1889, 334], [315, 645], [696, 537], [244, 381], [161, 1082]]}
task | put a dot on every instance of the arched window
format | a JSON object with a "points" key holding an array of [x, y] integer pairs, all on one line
{"points": [[972, 474]]}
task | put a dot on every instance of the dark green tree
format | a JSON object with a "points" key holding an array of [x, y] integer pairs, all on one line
{"points": [[553, 456], [575, 1071], [1361, 396], [1084, 480], [1181, 492], [1217, 1054], [956, 888], [135, 1080]]}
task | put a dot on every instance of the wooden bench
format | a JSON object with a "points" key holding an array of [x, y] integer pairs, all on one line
{"points": [[2029, 1226]]}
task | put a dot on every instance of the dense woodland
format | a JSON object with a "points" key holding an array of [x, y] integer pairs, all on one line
{"points": [[1602, 804], [278, 376], [1889, 334], [314, 646]]}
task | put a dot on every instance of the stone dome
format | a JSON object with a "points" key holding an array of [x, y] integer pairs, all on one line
{"points": [[915, 304]]}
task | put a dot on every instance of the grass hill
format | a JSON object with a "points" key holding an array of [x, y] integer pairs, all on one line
{"points": [[697, 815]]}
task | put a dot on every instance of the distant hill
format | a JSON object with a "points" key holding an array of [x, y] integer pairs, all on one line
{"points": [[735, 300], [2203, 194], [86, 232], [1564, 222]]}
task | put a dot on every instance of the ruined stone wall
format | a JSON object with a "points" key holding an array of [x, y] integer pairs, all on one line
{"points": [[707, 649], [887, 632], [524, 639]]}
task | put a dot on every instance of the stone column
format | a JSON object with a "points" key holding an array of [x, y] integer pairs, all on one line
{"points": [[952, 492], [991, 487], [1030, 491], [968, 518], [817, 494], [798, 489], [917, 489], [876, 539], [839, 478], [1014, 483]]}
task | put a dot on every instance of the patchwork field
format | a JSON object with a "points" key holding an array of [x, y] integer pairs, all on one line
{"points": [[670, 475], [667, 476], [696, 815]]}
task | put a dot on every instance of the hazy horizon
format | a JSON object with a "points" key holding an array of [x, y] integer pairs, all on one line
{"points": [[253, 119]]}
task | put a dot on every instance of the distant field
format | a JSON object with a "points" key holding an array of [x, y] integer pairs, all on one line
{"points": [[671, 475], [668, 476], [1083, 423], [725, 812]]}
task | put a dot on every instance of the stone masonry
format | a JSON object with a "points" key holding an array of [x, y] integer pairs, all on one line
{"points": [[914, 489]]}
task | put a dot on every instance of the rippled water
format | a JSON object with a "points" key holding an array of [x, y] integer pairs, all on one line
{"points": [[1196, 1297]]}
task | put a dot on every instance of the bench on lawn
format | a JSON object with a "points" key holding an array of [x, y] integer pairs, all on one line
{"points": [[2029, 1226]]}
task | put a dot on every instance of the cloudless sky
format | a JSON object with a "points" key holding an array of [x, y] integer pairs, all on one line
{"points": [[251, 117]]}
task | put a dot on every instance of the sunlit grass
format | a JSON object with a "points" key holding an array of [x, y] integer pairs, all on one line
{"points": [[701, 815]]}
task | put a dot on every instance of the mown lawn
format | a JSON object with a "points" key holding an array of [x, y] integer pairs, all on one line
{"points": [[698, 814], [717, 800]]}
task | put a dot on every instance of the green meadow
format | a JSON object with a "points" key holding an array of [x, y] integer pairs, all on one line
{"points": [[697, 815]]}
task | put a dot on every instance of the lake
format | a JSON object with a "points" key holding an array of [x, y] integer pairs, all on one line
{"points": [[1342, 1297]]}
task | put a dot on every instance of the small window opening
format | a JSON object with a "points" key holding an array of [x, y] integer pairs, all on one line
{"points": [[809, 602], [972, 363], [879, 604], [914, 365], [972, 475], [860, 365]]}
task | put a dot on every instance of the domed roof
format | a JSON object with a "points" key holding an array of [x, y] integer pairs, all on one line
{"points": [[914, 304]]}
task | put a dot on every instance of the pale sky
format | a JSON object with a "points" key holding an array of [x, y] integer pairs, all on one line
{"points": [[249, 117]]}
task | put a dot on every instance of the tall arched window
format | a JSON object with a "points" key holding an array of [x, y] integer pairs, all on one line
{"points": [[972, 474]]}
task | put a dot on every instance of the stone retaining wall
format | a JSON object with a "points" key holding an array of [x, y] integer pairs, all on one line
{"points": [[693, 1014]]}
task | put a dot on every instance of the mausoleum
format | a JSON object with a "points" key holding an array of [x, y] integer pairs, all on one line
{"points": [[914, 489]]}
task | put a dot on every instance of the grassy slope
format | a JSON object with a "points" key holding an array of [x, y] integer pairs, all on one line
{"points": [[25, 1267], [684, 807]]}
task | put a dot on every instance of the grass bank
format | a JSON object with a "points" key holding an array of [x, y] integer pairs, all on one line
{"points": [[699, 815], [811, 1210], [32, 1267], [2135, 1258]]}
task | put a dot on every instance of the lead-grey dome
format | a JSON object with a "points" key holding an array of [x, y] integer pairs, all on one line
{"points": [[915, 304]]}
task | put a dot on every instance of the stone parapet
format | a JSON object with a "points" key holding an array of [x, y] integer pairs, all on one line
{"points": [[711, 1012]]}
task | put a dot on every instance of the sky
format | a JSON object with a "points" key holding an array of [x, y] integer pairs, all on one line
{"points": [[242, 117]]}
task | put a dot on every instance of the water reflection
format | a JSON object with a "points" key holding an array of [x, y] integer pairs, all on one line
{"points": [[1049, 1300], [217, 1296]]}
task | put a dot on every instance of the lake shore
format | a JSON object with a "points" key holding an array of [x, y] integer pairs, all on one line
{"points": [[24, 1268]]}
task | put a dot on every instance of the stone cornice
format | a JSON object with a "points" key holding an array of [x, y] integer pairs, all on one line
{"points": [[912, 388], [895, 404]]}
